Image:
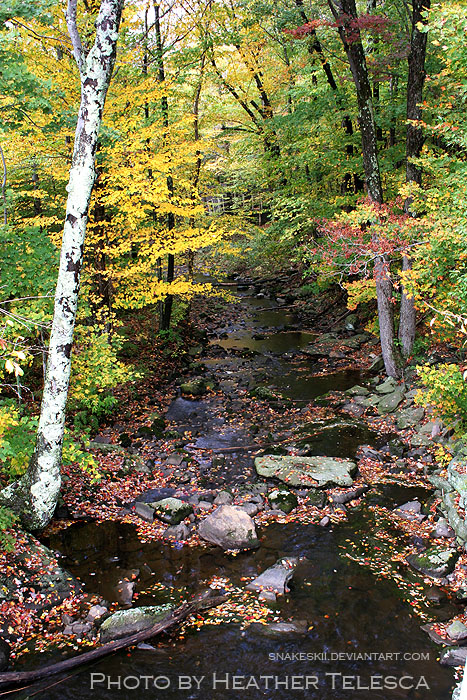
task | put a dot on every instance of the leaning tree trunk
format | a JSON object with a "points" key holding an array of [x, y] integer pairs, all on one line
{"points": [[345, 13], [414, 143], [35, 495]]}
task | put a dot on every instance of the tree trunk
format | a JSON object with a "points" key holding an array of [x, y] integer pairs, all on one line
{"points": [[35, 495], [414, 143], [167, 303], [345, 13]]}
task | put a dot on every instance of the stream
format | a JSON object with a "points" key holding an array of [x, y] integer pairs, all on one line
{"points": [[349, 610]]}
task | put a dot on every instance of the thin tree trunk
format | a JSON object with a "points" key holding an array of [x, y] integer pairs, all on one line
{"points": [[35, 495], [414, 144], [5, 211], [345, 12], [351, 181], [167, 303]]}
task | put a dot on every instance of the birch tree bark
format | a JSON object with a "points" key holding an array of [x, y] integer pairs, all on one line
{"points": [[35, 495]]}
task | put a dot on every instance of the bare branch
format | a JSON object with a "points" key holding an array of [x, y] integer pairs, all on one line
{"points": [[72, 25]]}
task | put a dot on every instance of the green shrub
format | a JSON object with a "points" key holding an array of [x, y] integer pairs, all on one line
{"points": [[446, 391]]}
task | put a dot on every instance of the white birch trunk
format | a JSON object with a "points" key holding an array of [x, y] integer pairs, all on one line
{"points": [[35, 495]]}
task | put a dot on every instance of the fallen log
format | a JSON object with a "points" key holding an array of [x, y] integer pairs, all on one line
{"points": [[200, 602]]}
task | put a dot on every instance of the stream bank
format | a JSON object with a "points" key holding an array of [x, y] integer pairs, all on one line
{"points": [[264, 385]]}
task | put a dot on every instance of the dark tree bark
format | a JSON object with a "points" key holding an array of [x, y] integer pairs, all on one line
{"points": [[345, 14], [414, 144], [352, 181], [167, 303]]}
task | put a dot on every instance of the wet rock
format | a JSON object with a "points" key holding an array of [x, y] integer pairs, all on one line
{"points": [[180, 532], [125, 440], [268, 596], [126, 622], [454, 657], [354, 409], [443, 529], [348, 496], [372, 454], [377, 364], [276, 578], [457, 632], [408, 417], [318, 472], [396, 447], [281, 630], [95, 612], [230, 528], [204, 506], [282, 499], [324, 522], [388, 386], [457, 479], [390, 402], [172, 510], [250, 509], [435, 562], [105, 447], [355, 341], [125, 592], [435, 595], [357, 391], [145, 511], [4, 654], [155, 495], [79, 629], [264, 393], [175, 459], [410, 511], [198, 386]]}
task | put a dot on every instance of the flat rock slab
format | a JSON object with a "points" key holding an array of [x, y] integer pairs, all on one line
{"points": [[125, 622], [435, 562], [312, 472], [276, 577], [230, 528]]}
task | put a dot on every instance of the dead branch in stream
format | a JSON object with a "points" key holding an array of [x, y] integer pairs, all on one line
{"points": [[200, 602]]}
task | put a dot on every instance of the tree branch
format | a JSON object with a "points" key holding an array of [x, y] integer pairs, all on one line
{"points": [[78, 51]]}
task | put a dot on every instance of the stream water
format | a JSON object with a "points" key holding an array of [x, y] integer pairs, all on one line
{"points": [[348, 609]]}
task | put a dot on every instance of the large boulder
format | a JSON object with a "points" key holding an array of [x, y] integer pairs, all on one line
{"points": [[435, 562], [276, 577], [123, 623], [230, 528], [313, 472]]}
